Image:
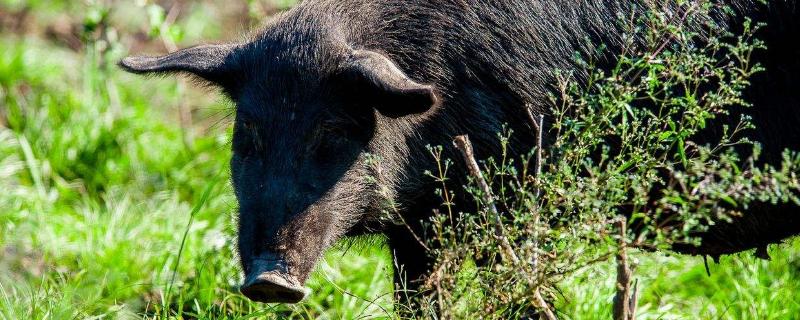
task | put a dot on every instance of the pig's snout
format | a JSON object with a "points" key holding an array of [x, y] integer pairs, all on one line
{"points": [[268, 281]]}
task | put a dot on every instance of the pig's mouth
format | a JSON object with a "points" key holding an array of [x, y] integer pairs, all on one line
{"points": [[269, 282]]}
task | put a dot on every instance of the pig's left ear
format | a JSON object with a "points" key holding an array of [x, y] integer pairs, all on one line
{"points": [[210, 62], [376, 81]]}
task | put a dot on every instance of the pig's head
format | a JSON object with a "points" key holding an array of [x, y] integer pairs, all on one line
{"points": [[308, 109]]}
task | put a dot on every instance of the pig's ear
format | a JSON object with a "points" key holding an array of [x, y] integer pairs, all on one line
{"points": [[377, 81], [210, 62]]}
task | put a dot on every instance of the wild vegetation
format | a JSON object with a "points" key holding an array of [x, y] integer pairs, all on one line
{"points": [[635, 165], [116, 204]]}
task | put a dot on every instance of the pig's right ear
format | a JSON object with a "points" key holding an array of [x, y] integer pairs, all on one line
{"points": [[212, 63]]}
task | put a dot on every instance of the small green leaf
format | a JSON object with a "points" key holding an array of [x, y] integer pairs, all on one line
{"points": [[729, 200]]}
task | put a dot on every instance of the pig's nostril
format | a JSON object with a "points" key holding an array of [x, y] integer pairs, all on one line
{"points": [[273, 287]]}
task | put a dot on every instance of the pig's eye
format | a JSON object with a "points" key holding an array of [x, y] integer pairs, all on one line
{"points": [[244, 139], [330, 135]]}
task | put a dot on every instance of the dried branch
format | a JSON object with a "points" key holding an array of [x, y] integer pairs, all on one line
{"points": [[538, 126], [542, 305], [624, 300], [463, 144]]}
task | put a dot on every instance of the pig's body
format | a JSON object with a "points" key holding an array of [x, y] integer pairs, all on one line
{"points": [[307, 89]]}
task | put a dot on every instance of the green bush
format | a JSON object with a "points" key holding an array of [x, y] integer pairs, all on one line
{"points": [[622, 173]]}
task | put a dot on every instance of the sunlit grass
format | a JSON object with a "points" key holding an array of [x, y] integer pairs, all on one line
{"points": [[678, 287]]}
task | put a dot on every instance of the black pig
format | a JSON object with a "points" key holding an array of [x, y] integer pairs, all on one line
{"points": [[331, 83]]}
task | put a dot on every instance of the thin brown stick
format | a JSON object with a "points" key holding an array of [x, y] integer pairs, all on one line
{"points": [[624, 300], [539, 149], [411, 230], [544, 309], [463, 144], [538, 126]]}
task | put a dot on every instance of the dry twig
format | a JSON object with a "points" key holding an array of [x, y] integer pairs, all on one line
{"points": [[538, 126], [624, 300], [463, 144]]}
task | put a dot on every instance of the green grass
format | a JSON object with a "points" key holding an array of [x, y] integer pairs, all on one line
{"points": [[97, 188], [678, 287]]}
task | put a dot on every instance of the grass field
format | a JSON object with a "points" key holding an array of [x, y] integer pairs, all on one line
{"points": [[111, 206]]}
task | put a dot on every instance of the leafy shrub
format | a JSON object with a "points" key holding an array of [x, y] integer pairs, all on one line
{"points": [[625, 170]]}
